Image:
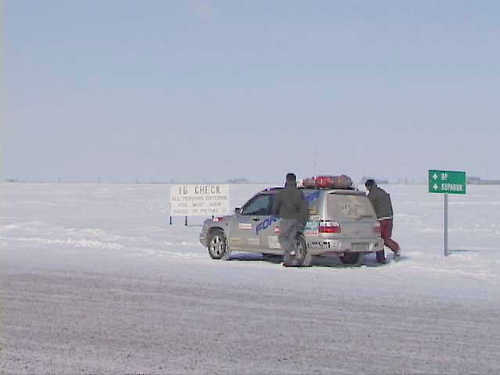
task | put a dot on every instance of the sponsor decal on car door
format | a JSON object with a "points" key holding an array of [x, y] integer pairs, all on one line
{"points": [[253, 213]]}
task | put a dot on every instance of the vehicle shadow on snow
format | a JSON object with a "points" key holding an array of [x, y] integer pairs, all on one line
{"points": [[367, 261], [317, 261], [246, 257], [335, 262]]}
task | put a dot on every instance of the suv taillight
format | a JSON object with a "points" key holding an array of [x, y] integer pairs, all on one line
{"points": [[376, 228], [328, 226]]}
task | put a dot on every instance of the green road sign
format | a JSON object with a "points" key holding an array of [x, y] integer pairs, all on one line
{"points": [[450, 182]]}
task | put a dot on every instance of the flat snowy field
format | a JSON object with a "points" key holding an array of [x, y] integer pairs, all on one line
{"points": [[95, 281]]}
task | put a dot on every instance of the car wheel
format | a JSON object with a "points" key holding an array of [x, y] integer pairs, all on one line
{"points": [[217, 244], [350, 258], [303, 257]]}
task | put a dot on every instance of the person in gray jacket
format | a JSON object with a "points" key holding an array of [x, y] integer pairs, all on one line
{"points": [[381, 202], [290, 205]]}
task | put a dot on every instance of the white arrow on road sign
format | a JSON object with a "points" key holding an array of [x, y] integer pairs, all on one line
{"points": [[435, 187], [435, 176]]}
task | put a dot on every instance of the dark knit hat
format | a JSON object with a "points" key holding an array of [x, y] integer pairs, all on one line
{"points": [[370, 182]]}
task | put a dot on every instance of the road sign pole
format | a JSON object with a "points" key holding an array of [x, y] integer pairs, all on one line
{"points": [[445, 225], [447, 182]]}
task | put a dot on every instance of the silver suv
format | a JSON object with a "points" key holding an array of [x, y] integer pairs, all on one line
{"points": [[341, 222]]}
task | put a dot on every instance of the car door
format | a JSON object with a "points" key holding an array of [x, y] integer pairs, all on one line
{"points": [[268, 230], [244, 234]]}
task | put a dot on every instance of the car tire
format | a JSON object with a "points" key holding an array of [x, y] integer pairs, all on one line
{"points": [[351, 258], [303, 256], [217, 244]]}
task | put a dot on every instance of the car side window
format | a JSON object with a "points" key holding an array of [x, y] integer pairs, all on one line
{"points": [[259, 205]]}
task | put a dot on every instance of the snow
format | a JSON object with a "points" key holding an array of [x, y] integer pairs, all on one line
{"points": [[95, 280]]}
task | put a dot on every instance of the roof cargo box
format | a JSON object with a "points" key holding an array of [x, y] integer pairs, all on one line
{"points": [[328, 182]]}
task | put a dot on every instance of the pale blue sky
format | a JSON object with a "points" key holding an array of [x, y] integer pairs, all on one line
{"points": [[210, 90]]}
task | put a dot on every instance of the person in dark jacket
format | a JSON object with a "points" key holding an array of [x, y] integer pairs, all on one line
{"points": [[381, 202], [290, 205]]}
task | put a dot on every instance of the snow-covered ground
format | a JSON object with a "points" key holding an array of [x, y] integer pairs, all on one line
{"points": [[95, 280]]}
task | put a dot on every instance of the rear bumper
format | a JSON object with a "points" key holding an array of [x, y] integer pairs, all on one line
{"points": [[322, 246]]}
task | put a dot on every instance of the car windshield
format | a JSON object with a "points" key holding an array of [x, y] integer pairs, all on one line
{"points": [[354, 207], [259, 205]]}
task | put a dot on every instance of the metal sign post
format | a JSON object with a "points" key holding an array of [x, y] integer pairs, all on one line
{"points": [[446, 182], [446, 224]]}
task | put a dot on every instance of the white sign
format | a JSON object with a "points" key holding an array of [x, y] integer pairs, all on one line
{"points": [[199, 200]]}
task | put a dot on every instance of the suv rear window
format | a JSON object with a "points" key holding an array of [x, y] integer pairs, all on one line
{"points": [[353, 207]]}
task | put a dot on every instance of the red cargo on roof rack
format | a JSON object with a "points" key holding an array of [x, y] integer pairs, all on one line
{"points": [[328, 182]]}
